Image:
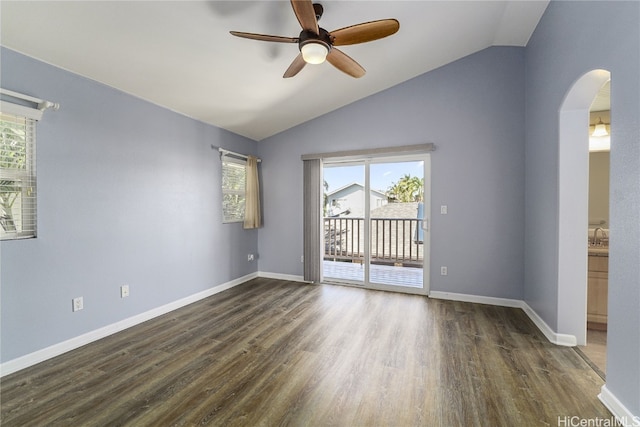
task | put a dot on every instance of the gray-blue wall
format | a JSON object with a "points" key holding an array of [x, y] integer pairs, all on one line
{"points": [[473, 110], [571, 39], [128, 193]]}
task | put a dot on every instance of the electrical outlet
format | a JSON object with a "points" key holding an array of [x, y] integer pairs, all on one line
{"points": [[250, 257], [124, 291], [301, 258], [443, 271], [77, 304], [443, 209]]}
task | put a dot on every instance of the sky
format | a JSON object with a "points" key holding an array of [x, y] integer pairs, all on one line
{"points": [[383, 175]]}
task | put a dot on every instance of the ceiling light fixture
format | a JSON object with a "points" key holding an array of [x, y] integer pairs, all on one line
{"points": [[314, 53], [600, 129], [602, 143]]}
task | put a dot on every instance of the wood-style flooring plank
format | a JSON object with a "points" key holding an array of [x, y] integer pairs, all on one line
{"points": [[272, 352]]}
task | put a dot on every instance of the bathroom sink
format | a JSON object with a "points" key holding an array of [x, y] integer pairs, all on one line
{"points": [[599, 250]]}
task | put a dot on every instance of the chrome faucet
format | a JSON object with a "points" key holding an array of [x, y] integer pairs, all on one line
{"points": [[594, 242]]}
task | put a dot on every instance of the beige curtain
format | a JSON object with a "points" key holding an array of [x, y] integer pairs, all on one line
{"points": [[252, 217]]}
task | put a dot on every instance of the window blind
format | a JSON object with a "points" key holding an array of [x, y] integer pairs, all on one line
{"points": [[233, 189], [17, 177], [312, 220]]}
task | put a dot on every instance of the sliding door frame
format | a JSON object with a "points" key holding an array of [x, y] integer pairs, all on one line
{"points": [[426, 220]]}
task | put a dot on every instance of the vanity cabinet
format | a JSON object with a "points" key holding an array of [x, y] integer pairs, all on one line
{"points": [[598, 285]]}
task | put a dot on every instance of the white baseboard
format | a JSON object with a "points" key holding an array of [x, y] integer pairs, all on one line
{"points": [[279, 276], [501, 302], [550, 334], [38, 356], [622, 413]]}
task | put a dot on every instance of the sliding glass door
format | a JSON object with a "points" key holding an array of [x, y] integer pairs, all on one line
{"points": [[344, 222], [397, 225], [375, 218]]}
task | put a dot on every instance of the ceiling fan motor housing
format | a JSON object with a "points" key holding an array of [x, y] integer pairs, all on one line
{"points": [[322, 38], [319, 10]]}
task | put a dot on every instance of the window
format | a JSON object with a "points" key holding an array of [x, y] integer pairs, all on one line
{"points": [[233, 189], [17, 177]]}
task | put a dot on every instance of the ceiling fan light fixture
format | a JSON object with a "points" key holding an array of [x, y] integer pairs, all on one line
{"points": [[316, 44], [314, 52]]}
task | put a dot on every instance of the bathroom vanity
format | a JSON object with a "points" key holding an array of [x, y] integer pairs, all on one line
{"points": [[598, 285]]}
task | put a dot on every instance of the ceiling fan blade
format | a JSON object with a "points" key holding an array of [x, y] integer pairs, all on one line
{"points": [[365, 32], [265, 37], [306, 15], [295, 67], [345, 63]]}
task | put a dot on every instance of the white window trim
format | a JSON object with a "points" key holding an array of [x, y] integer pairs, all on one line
{"points": [[31, 109]]}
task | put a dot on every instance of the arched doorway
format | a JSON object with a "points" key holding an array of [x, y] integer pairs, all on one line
{"points": [[573, 199]]}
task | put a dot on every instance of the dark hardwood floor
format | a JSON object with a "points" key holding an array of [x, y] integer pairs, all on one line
{"points": [[272, 352], [595, 352]]}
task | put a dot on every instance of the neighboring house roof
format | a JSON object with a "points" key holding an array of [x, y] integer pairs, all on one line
{"points": [[355, 184], [396, 210]]}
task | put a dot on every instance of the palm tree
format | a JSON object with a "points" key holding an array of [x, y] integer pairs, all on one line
{"points": [[407, 189], [325, 184]]}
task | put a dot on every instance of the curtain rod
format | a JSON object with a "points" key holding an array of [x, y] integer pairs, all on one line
{"points": [[224, 151], [42, 104]]}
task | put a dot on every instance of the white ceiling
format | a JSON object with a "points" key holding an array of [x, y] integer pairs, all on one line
{"points": [[603, 99], [180, 54]]}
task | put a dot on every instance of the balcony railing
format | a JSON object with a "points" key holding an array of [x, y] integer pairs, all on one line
{"points": [[394, 241]]}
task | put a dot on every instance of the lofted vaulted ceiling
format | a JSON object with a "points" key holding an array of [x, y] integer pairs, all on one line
{"points": [[180, 55]]}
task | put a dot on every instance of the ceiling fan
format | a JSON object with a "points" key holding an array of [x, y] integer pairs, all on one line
{"points": [[317, 44]]}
